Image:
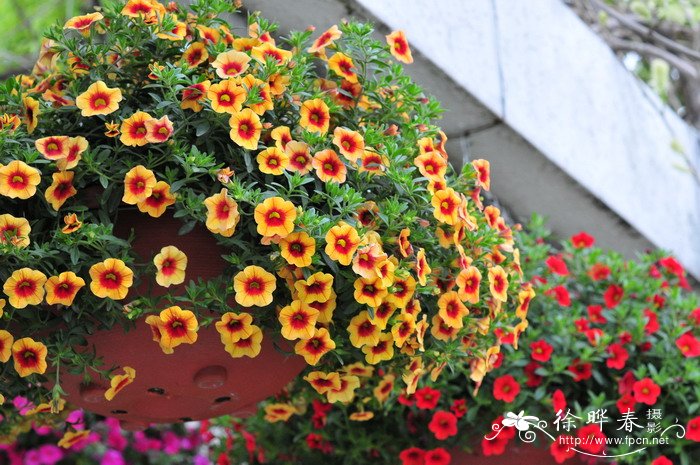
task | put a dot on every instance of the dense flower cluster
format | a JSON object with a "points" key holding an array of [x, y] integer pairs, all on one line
{"points": [[314, 163]]}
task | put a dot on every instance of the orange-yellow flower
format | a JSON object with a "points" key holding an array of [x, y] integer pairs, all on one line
{"points": [[18, 180], [342, 241], [231, 64], [298, 320], [170, 264], [383, 389], [72, 224], [29, 356], [139, 183], [452, 310], [315, 116], [158, 130], [61, 189], [71, 438], [25, 287], [373, 162], [279, 412], [193, 95], [282, 136], [323, 382], [14, 231], [432, 166], [98, 99], [299, 157], [209, 35], [370, 291], [156, 325], [149, 10], [254, 286], [272, 161], [6, 341], [159, 200], [362, 330], [195, 54], [329, 166], [119, 382], [134, 131], [398, 46], [382, 314], [359, 369], [31, 113], [111, 278], [226, 96], [261, 91], [52, 147], [245, 128], [381, 351], [246, 346], [312, 349], [325, 309], [234, 326], [317, 288], [403, 328], [278, 83], [343, 66], [498, 283], [112, 129], [62, 289], [9, 122], [423, 270], [75, 146], [468, 282], [298, 249], [367, 260], [441, 330], [222, 213], [325, 39], [177, 327], [361, 416], [350, 143], [346, 392], [524, 298], [267, 50], [446, 203], [402, 290], [179, 32], [483, 173], [82, 23], [275, 216]]}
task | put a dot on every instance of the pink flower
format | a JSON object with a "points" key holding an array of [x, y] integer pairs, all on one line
{"points": [[112, 457]]}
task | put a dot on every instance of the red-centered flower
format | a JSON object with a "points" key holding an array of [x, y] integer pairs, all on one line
{"points": [[626, 403], [427, 398], [558, 401], [581, 371], [688, 345], [134, 132], [437, 456], [226, 96], [61, 189], [195, 54], [325, 39], [557, 265], [582, 240], [505, 388], [412, 456], [692, 430], [562, 448], [329, 166], [483, 171], [613, 296], [314, 116], [246, 128], [52, 147], [598, 272], [661, 460], [541, 351], [99, 99], [193, 95], [443, 425], [592, 439], [159, 130], [343, 66], [646, 391], [618, 356], [560, 294], [398, 46]]}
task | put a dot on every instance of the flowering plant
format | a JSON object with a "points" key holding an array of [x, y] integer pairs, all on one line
{"points": [[313, 163]]}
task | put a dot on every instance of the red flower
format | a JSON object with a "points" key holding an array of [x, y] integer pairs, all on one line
{"points": [[595, 314], [599, 272], [427, 398], [592, 438], [407, 400], [533, 379], [556, 265], [688, 345], [437, 456], [562, 448], [560, 294], [497, 445], [652, 324], [412, 456], [505, 388], [581, 371], [459, 407], [695, 316], [499, 360], [541, 351], [626, 403], [618, 356], [613, 296], [646, 391], [625, 384], [594, 335], [443, 424], [558, 401], [692, 430], [625, 337], [671, 265], [581, 325], [582, 240], [661, 460]]}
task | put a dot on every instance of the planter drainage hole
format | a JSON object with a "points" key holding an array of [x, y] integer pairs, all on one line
{"points": [[119, 412], [220, 400], [156, 390], [185, 419]]}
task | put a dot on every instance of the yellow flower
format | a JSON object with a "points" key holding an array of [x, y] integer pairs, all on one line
{"points": [[119, 382], [279, 412], [222, 214], [14, 231], [63, 288], [246, 346], [254, 286], [99, 99], [111, 278], [139, 183], [29, 356], [171, 263], [298, 320], [25, 287], [18, 180]]}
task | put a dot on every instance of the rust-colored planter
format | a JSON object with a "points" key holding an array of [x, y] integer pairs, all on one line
{"points": [[195, 382], [520, 453]]}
